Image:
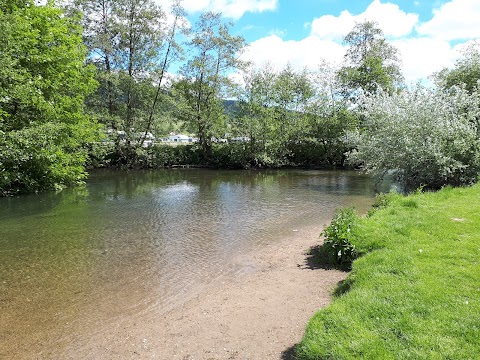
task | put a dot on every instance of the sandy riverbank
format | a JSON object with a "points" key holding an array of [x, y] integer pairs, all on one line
{"points": [[258, 312]]}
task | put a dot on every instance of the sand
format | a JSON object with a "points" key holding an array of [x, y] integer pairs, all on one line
{"points": [[257, 312]]}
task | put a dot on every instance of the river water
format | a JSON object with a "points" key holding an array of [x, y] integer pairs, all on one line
{"points": [[74, 263]]}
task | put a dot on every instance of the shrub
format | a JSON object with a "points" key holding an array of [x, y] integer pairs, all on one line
{"points": [[235, 155], [43, 84], [337, 247], [40, 158], [99, 154], [426, 137], [318, 153]]}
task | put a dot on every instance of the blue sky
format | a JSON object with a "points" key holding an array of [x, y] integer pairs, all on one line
{"points": [[430, 34], [291, 18]]}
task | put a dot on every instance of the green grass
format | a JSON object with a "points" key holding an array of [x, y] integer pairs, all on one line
{"points": [[415, 292]]}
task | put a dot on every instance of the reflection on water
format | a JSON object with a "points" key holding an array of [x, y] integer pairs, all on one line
{"points": [[75, 263]]}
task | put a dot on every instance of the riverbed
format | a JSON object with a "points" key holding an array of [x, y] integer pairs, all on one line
{"points": [[86, 263]]}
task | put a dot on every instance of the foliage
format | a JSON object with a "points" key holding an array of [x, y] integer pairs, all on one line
{"points": [[231, 156], [160, 156], [213, 54], [43, 83], [415, 295], [425, 137], [315, 153], [173, 51], [288, 117], [132, 45], [293, 117], [291, 92], [255, 118], [466, 71], [337, 248], [370, 62]]}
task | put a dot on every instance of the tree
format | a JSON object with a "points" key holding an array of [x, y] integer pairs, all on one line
{"points": [[101, 37], [255, 119], [43, 84], [330, 118], [131, 45], [292, 91], [140, 26], [172, 52], [294, 116], [370, 63], [213, 54], [424, 136], [273, 112], [466, 71]]}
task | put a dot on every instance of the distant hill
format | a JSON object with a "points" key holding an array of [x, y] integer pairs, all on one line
{"points": [[231, 107]]}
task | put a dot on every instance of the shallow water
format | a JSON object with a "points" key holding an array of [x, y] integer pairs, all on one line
{"points": [[75, 263]]}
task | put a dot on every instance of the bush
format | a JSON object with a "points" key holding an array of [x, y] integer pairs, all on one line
{"points": [[316, 153], [154, 157], [99, 154], [44, 157], [425, 137], [43, 84], [337, 248], [159, 156], [234, 155]]}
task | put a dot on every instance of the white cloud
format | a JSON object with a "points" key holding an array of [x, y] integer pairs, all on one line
{"points": [[392, 20], [234, 9], [421, 57], [461, 48], [457, 19], [279, 32], [307, 52]]}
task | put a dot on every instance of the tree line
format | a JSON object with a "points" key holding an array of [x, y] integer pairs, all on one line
{"points": [[85, 84]]}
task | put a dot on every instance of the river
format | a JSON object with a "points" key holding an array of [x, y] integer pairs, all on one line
{"points": [[75, 263]]}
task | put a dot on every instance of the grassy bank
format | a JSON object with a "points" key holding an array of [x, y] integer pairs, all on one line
{"points": [[415, 292]]}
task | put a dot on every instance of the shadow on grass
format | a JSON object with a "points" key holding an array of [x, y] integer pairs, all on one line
{"points": [[343, 287], [289, 354]]}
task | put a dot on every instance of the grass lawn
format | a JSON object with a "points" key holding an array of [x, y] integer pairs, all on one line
{"points": [[415, 292]]}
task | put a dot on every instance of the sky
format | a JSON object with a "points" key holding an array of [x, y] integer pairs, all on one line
{"points": [[429, 34]]}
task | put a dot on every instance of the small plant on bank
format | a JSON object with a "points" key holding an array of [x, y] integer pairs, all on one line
{"points": [[337, 248]]}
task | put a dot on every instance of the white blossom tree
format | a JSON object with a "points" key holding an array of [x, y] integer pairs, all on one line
{"points": [[426, 137]]}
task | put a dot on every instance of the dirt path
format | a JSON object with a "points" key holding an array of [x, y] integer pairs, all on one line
{"points": [[259, 312]]}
